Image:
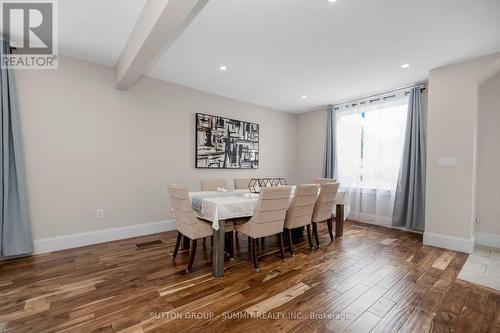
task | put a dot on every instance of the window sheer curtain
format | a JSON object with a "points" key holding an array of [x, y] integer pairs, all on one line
{"points": [[369, 145]]}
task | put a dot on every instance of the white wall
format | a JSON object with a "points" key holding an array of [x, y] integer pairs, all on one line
{"points": [[488, 189], [452, 132], [311, 141], [90, 146]]}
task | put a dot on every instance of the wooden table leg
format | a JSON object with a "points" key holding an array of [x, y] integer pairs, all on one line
{"points": [[218, 251], [339, 221]]}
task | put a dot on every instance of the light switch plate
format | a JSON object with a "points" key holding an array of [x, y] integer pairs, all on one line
{"points": [[99, 214], [448, 162]]}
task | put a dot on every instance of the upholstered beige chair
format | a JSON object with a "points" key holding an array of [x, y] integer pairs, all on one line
{"points": [[324, 180], [324, 208], [241, 183], [300, 212], [213, 184], [188, 225], [268, 218]]}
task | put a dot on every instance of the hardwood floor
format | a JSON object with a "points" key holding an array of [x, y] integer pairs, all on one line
{"points": [[373, 279]]}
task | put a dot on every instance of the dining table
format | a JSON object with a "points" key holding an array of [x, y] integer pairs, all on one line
{"points": [[219, 206]]}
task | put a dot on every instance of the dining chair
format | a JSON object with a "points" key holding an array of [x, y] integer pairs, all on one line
{"points": [[324, 180], [241, 183], [189, 225], [300, 212], [323, 209], [268, 218], [213, 184]]}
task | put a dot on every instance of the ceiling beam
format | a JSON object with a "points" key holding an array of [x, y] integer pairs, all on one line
{"points": [[158, 26]]}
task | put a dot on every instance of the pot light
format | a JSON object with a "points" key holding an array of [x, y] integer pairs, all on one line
{"points": [[304, 96], [223, 68], [405, 66], [332, 1]]}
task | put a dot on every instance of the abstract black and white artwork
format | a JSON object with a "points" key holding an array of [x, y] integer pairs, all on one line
{"points": [[224, 143]]}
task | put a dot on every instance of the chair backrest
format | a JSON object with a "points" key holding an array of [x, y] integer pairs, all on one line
{"points": [[213, 184], [324, 180], [271, 208], [183, 212], [301, 209], [241, 183], [186, 221], [326, 200]]}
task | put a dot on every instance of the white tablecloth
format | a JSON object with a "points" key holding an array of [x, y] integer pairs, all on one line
{"points": [[242, 204]]}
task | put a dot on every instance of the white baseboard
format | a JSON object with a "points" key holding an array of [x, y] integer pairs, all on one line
{"points": [[57, 243], [449, 242], [388, 225], [487, 239]]}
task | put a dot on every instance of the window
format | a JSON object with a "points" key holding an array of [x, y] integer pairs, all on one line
{"points": [[369, 146]]}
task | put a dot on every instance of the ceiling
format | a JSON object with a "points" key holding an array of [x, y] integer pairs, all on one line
{"points": [[276, 51], [95, 30]]}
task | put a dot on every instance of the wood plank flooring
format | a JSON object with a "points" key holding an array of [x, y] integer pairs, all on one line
{"points": [[374, 279]]}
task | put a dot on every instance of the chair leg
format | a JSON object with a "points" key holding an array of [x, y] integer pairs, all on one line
{"points": [[309, 238], [329, 222], [191, 257], [315, 231], [226, 244], [236, 241], [282, 249], [249, 243], [177, 244], [255, 258], [231, 245], [290, 242]]}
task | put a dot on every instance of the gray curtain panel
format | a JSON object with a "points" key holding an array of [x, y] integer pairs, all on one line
{"points": [[409, 205], [15, 232], [329, 169]]}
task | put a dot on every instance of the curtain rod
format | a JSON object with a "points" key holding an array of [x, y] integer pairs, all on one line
{"points": [[421, 84]]}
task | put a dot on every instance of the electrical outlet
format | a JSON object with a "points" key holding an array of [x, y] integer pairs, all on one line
{"points": [[99, 214]]}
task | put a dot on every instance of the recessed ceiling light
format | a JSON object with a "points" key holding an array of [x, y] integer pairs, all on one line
{"points": [[223, 68], [332, 1], [304, 96], [405, 65]]}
